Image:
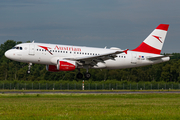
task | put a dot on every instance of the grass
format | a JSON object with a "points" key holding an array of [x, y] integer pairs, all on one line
{"points": [[92, 107]]}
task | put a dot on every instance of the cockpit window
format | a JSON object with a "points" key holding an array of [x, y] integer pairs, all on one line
{"points": [[17, 47]]}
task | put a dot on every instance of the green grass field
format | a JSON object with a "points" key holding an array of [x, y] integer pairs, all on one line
{"points": [[92, 107]]}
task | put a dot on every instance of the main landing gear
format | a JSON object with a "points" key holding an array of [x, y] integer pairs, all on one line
{"points": [[29, 68], [87, 75], [79, 75]]}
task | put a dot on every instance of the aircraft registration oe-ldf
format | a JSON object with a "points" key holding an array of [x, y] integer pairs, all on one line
{"points": [[68, 58]]}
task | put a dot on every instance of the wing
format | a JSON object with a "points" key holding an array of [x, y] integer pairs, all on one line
{"points": [[93, 60]]}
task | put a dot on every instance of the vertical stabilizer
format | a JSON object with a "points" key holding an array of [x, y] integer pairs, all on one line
{"points": [[154, 42]]}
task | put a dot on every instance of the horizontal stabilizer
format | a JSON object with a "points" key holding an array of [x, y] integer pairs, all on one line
{"points": [[158, 57]]}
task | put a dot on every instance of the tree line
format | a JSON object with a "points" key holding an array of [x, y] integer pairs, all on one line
{"points": [[12, 70]]}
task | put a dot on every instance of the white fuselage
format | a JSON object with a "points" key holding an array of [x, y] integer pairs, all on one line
{"points": [[33, 53]]}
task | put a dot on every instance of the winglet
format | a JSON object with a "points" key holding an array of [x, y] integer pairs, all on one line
{"points": [[125, 51]]}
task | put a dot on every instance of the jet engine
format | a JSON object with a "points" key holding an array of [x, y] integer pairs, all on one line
{"points": [[62, 66]]}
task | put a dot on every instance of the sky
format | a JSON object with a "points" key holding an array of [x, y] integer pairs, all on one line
{"points": [[93, 23]]}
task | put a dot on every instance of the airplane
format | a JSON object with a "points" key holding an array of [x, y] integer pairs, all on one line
{"points": [[68, 57]]}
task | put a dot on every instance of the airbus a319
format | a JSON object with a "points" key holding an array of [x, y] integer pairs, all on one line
{"points": [[58, 57]]}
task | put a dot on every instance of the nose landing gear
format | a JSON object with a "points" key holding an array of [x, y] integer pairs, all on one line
{"points": [[29, 68]]}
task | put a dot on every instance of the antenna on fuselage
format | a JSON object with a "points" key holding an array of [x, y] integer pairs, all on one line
{"points": [[33, 41]]}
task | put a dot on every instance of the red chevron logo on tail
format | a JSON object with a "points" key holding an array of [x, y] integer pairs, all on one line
{"points": [[159, 38]]}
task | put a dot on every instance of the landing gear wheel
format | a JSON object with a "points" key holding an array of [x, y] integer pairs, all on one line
{"points": [[29, 67], [79, 76], [87, 75], [28, 72]]}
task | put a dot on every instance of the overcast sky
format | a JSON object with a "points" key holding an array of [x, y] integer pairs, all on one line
{"points": [[95, 23]]}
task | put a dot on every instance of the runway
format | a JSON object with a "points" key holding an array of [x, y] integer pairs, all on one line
{"points": [[89, 92]]}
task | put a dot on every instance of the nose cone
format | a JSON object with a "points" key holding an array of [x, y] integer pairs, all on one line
{"points": [[7, 54], [13, 55]]}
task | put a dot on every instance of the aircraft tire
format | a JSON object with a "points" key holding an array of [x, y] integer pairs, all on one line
{"points": [[79, 76], [28, 72], [87, 75]]}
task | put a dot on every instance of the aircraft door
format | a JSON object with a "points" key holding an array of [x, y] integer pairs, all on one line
{"points": [[134, 58], [31, 49]]}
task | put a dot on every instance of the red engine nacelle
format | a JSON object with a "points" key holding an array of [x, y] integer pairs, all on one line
{"points": [[62, 66], [51, 68]]}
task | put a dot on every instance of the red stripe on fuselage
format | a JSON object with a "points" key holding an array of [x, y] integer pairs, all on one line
{"points": [[143, 47], [163, 27]]}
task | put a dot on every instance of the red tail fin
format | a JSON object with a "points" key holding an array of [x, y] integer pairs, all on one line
{"points": [[154, 42]]}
